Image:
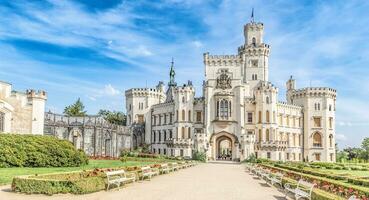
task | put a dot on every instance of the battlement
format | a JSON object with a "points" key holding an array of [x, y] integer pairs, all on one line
{"points": [[251, 50], [254, 26], [265, 85], [144, 92], [40, 94], [314, 92], [283, 104], [222, 60]]}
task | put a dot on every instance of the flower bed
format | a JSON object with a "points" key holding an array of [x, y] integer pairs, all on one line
{"points": [[80, 182], [337, 187]]}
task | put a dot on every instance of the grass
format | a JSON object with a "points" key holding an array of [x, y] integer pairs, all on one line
{"points": [[7, 174], [351, 172]]}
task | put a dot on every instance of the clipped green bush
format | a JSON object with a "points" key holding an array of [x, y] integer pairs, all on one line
{"points": [[38, 151], [200, 156]]}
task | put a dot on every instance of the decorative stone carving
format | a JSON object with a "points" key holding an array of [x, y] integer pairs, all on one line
{"points": [[224, 81]]}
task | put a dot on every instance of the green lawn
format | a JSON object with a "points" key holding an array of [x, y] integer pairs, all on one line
{"points": [[7, 174], [351, 172]]}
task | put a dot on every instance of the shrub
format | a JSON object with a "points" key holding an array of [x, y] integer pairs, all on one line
{"points": [[38, 151], [200, 156]]}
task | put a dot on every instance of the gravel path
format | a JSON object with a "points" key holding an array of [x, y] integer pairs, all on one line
{"points": [[215, 181]]}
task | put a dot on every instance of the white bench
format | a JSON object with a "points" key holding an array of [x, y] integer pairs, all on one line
{"points": [[117, 178], [174, 166], [164, 168], [353, 197], [276, 179], [302, 190], [148, 172]]}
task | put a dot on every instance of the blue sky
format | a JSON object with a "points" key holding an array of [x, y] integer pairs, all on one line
{"points": [[96, 49]]}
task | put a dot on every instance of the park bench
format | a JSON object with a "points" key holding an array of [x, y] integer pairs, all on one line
{"points": [[264, 174], [148, 172], [302, 190], [164, 168], [174, 166], [276, 178], [117, 178], [353, 197]]}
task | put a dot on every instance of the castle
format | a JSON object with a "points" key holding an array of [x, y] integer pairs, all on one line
{"points": [[239, 114], [21, 112]]}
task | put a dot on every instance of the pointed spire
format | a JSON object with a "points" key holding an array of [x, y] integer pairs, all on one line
{"points": [[252, 16], [172, 74]]}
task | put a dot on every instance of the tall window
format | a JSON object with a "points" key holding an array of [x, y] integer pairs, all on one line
{"points": [[189, 116], [249, 117], [183, 132], [177, 115], [183, 115], [267, 135], [224, 109], [267, 116], [267, 100], [198, 116], [317, 140], [260, 136], [189, 132], [330, 140], [260, 116], [331, 122], [170, 118], [2, 121], [253, 42], [288, 120]]}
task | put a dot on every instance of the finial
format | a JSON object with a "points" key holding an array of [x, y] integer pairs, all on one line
{"points": [[172, 73], [252, 16]]}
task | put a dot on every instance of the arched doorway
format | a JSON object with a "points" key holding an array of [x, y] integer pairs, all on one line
{"points": [[224, 148]]}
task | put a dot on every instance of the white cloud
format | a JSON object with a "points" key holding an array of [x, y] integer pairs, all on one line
{"points": [[197, 44], [110, 90]]}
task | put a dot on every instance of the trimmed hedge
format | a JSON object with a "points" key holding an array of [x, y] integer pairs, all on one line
{"points": [[38, 151]]}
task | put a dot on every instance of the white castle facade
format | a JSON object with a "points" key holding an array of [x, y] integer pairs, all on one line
{"points": [[239, 113]]}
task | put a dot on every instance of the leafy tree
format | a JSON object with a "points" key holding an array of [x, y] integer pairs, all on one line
{"points": [[365, 147], [353, 153], [76, 109], [114, 117]]}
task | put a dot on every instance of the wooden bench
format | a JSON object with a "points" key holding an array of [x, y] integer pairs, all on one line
{"points": [[276, 179], [148, 172], [117, 178], [164, 168], [174, 166], [302, 190]]}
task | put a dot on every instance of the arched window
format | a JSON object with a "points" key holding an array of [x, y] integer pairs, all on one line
{"points": [[183, 115], [2, 121], [183, 133], [189, 115], [267, 135], [159, 136], [330, 140], [154, 138], [260, 135], [224, 108], [317, 140], [189, 132], [267, 116], [267, 100], [183, 99], [254, 42], [256, 77], [260, 116], [165, 135], [217, 108], [177, 115]]}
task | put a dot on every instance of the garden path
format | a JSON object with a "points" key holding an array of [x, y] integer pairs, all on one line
{"points": [[205, 181]]}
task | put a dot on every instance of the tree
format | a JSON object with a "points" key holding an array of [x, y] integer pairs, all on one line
{"points": [[365, 146], [76, 109], [114, 117]]}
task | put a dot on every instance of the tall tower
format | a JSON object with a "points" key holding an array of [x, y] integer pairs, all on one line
{"points": [[255, 53]]}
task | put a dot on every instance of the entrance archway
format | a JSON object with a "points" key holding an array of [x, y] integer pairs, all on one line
{"points": [[224, 148]]}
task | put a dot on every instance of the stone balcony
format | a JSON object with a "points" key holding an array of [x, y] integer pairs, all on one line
{"points": [[280, 145], [178, 142]]}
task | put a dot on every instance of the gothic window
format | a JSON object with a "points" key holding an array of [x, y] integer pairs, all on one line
{"points": [[224, 109], [330, 140], [170, 118], [317, 139], [260, 116], [198, 116], [330, 107], [317, 122], [254, 42], [256, 77], [267, 116], [177, 115], [165, 135], [2, 121], [189, 115], [183, 99], [249, 117], [331, 122], [183, 132], [159, 136], [217, 109], [170, 134], [267, 100], [165, 151], [189, 132], [260, 135], [154, 138], [267, 135], [183, 115]]}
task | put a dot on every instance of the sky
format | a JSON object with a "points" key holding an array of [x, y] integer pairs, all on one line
{"points": [[95, 50]]}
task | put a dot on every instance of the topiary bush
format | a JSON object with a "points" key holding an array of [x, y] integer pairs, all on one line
{"points": [[38, 151]]}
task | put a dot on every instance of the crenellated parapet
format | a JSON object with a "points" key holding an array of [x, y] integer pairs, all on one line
{"points": [[143, 92], [284, 106], [314, 92], [264, 86], [40, 94], [255, 50], [222, 60]]}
